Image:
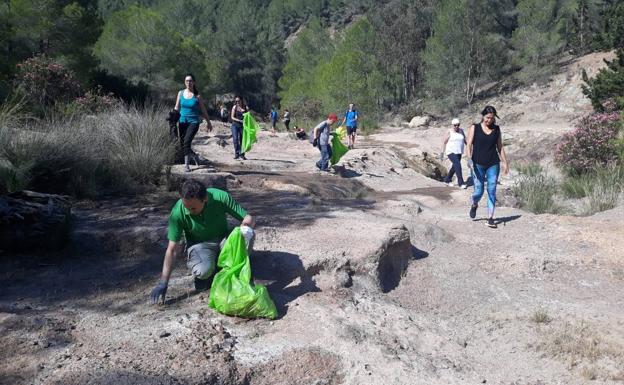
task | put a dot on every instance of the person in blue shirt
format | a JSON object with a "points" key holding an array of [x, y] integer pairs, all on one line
{"points": [[191, 108], [274, 116], [350, 121]]}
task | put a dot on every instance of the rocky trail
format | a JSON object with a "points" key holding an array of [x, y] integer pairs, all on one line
{"points": [[378, 274]]}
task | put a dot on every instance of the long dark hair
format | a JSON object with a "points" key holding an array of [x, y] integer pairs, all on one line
{"points": [[195, 92], [489, 110]]}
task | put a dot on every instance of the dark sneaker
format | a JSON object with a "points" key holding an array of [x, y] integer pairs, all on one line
{"points": [[473, 211], [202, 284], [491, 223], [243, 157], [236, 156]]}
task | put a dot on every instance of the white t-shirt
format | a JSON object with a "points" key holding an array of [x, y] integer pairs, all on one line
{"points": [[455, 144]]}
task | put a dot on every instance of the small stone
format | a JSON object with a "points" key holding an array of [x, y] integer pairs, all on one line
{"points": [[164, 334], [105, 355]]}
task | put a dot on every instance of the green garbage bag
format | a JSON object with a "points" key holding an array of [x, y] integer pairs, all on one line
{"points": [[250, 127], [232, 292], [338, 149]]}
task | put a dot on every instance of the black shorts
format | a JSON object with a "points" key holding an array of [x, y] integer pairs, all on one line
{"points": [[351, 130]]}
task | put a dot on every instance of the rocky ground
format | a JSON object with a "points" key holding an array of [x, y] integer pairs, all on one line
{"points": [[378, 274]]}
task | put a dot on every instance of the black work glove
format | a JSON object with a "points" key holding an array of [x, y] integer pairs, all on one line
{"points": [[315, 143], [159, 291]]}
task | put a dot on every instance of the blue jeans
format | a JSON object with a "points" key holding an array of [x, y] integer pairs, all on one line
{"points": [[326, 153], [481, 175], [237, 138], [455, 169]]}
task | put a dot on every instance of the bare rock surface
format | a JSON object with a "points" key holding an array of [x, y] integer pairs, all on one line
{"points": [[378, 274]]}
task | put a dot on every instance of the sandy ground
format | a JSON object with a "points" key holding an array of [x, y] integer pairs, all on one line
{"points": [[378, 274]]}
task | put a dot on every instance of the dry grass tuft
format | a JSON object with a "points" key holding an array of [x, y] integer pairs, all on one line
{"points": [[540, 316]]}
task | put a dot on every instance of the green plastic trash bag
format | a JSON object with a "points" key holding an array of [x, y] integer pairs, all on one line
{"points": [[250, 127], [338, 149], [341, 131], [232, 292]]}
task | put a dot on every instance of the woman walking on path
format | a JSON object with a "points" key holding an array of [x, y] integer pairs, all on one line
{"points": [[191, 108], [453, 146], [236, 115], [287, 119], [320, 139], [485, 151]]}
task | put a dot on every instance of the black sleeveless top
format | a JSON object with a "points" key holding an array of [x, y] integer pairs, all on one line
{"points": [[484, 150], [238, 115]]}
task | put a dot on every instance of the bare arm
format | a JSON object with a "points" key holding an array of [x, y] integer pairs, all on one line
{"points": [[249, 221], [173, 250], [445, 141], [469, 140], [233, 115], [204, 113], [501, 151], [177, 105]]}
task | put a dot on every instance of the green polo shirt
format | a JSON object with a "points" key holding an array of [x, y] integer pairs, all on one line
{"points": [[208, 226]]}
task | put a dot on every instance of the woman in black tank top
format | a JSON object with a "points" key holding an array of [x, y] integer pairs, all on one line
{"points": [[484, 150]]}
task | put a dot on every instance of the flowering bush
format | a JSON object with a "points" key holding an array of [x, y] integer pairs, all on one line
{"points": [[591, 144], [45, 81], [93, 102]]}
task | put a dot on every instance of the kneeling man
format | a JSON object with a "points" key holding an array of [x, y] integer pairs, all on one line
{"points": [[198, 220]]}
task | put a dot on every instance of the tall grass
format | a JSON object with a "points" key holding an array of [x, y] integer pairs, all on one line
{"points": [[119, 151], [601, 187], [536, 193]]}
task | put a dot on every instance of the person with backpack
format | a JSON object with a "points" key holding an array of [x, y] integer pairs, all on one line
{"points": [[350, 120], [320, 138], [191, 108], [287, 119], [273, 116], [484, 149], [453, 147]]}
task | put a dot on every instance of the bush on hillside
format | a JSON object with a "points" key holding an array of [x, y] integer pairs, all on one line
{"points": [[44, 82], [591, 144], [93, 102], [82, 155], [606, 89]]}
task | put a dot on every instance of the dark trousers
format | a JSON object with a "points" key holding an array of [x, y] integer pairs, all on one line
{"points": [[455, 169], [237, 138], [187, 133], [326, 153], [287, 123]]}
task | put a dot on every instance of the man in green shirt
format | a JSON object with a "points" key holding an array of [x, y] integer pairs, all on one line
{"points": [[199, 220]]}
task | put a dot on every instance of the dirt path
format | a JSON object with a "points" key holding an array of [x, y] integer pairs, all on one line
{"points": [[378, 274]]}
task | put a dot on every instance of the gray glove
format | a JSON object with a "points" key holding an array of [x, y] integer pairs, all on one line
{"points": [[159, 291]]}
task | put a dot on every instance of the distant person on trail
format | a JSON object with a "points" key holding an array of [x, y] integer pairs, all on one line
{"points": [[453, 147], [223, 114], [198, 220], [191, 107], [320, 138], [236, 115], [287, 119], [273, 116], [350, 121], [484, 149]]}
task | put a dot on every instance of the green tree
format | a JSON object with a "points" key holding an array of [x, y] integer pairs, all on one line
{"points": [[465, 51], [606, 89]]}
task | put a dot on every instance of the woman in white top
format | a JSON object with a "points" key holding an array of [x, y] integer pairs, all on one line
{"points": [[453, 147]]}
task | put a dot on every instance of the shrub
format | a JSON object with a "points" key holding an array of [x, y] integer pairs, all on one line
{"points": [[46, 82], [590, 145], [529, 169], [606, 89], [86, 155], [93, 102], [536, 193]]}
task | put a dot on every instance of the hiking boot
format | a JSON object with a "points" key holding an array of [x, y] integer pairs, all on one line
{"points": [[202, 284], [491, 223], [473, 211]]}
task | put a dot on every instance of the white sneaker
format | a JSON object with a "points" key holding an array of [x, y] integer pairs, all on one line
{"points": [[450, 184], [464, 186]]}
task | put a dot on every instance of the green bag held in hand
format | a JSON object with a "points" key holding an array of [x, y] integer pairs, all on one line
{"points": [[338, 149], [250, 127], [232, 292]]}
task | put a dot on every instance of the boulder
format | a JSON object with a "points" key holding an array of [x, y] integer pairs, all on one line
{"points": [[31, 221], [420, 121]]}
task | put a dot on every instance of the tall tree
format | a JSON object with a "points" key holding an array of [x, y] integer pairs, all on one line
{"points": [[465, 51]]}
